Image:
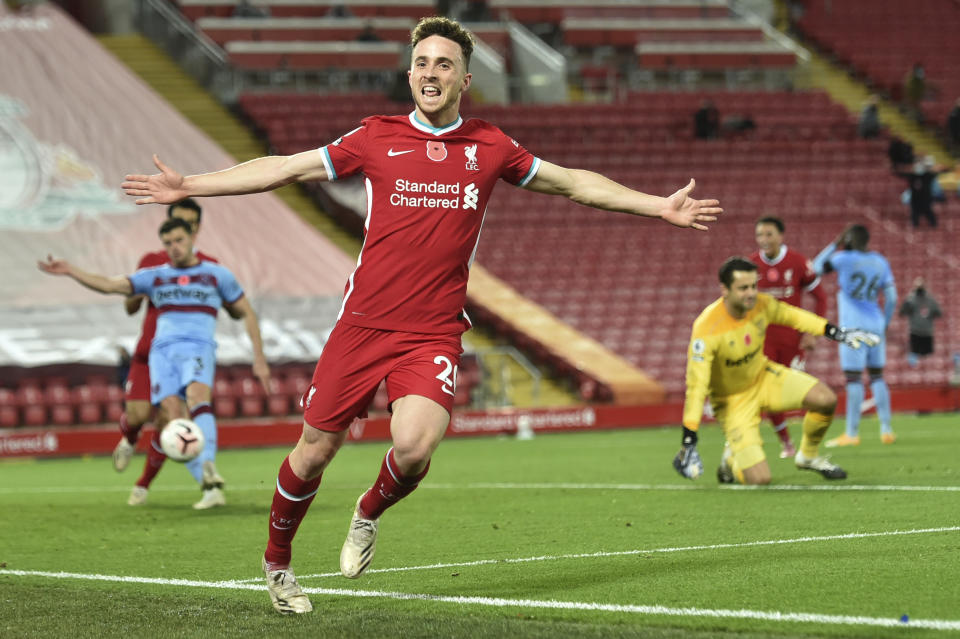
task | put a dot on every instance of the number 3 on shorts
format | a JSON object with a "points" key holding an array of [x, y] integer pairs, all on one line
{"points": [[449, 383]]}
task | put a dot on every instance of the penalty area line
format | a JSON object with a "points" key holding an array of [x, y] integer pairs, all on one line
{"points": [[497, 602]]}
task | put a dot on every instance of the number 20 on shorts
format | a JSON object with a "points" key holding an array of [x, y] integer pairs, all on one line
{"points": [[448, 376]]}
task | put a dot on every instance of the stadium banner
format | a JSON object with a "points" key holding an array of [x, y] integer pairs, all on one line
{"points": [[74, 121], [100, 440]]}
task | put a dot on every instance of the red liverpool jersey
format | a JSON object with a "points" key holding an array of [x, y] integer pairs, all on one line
{"points": [[154, 258], [427, 192], [787, 277]]}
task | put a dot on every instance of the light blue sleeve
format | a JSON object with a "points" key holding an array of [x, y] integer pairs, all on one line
{"points": [[889, 295], [228, 286], [889, 303], [823, 258], [142, 281]]}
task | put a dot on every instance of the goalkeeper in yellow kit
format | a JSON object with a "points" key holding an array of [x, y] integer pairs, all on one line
{"points": [[725, 361]]}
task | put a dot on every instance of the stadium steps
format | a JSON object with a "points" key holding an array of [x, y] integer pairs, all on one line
{"points": [[852, 94], [166, 78]]}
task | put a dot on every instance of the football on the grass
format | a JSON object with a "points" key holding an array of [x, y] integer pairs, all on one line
{"points": [[181, 440]]}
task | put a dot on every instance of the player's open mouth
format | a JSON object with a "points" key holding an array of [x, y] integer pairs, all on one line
{"points": [[430, 92]]}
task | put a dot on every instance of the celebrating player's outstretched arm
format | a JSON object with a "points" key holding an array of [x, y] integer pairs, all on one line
{"points": [[255, 176], [593, 189], [100, 283]]}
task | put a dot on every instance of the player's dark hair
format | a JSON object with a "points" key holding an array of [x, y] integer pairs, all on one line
{"points": [[858, 237], [188, 203], [175, 223], [445, 28], [769, 219], [732, 264]]}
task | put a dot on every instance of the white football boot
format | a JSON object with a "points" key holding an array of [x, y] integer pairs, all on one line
{"points": [[285, 592], [122, 454], [211, 498], [138, 496], [360, 545]]}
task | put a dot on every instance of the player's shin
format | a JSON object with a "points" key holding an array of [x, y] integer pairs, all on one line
{"points": [[855, 395], [202, 415], [389, 488], [815, 426], [154, 462], [291, 499], [129, 431], [881, 395]]}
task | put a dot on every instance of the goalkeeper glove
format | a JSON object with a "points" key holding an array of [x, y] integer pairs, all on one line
{"points": [[687, 462], [852, 337]]}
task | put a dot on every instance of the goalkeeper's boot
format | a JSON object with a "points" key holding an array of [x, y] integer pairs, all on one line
{"points": [[122, 454], [820, 464], [842, 440], [724, 472], [138, 496], [360, 545], [285, 592], [888, 438]]}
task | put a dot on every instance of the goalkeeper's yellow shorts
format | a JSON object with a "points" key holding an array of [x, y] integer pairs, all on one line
{"points": [[778, 389]]}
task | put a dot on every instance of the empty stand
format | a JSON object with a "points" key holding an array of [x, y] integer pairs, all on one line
{"points": [[414, 9], [884, 40]]}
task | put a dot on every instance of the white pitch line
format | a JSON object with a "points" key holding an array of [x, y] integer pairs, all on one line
{"points": [[669, 549], [497, 602], [690, 486], [522, 486]]}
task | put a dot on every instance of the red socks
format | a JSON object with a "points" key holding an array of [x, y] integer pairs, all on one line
{"points": [[389, 488], [154, 463], [128, 431], [291, 500]]}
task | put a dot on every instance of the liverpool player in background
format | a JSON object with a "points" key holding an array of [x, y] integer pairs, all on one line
{"points": [[428, 178], [786, 275], [137, 409]]}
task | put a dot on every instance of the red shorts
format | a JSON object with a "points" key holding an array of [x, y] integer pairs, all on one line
{"points": [[137, 387], [356, 359], [787, 353]]}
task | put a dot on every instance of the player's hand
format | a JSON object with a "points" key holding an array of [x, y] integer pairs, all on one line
{"points": [[54, 267], [852, 337], [686, 212], [261, 370], [687, 461], [165, 187]]}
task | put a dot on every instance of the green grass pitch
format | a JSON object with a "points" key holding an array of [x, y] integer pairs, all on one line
{"points": [[567, 535]]}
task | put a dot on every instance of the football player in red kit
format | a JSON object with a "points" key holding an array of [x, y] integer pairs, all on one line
{"points": [[786, 275], [428, 177]]}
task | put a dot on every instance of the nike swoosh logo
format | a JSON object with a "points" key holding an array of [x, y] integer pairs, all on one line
{"points": [[391, 153], [280, 527]]}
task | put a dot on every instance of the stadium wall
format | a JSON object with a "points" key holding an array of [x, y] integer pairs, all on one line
{"points": [[100, 440]]}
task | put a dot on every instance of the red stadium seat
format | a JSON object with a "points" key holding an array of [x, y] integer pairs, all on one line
{"points": [[9, 409], [250, 396], [89, 402]]}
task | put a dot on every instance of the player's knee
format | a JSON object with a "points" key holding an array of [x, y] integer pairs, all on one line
{"points": [[138, 413], [758, 475], [198, 393], [875, 374], [412, 454]]}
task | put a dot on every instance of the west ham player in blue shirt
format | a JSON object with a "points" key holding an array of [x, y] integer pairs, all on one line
{"points": [[188, 293], [862, 275]]}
